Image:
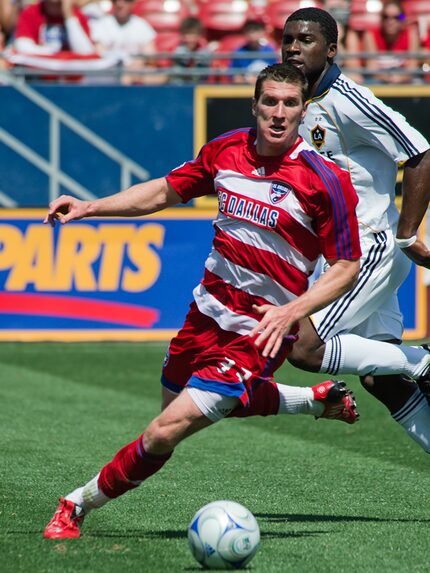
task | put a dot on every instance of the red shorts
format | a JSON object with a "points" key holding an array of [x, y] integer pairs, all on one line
{"points": [[204, 356]]}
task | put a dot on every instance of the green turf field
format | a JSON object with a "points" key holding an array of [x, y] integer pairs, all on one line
{"points": [[328, 497]]}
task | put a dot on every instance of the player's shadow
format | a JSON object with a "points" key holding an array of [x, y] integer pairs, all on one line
{"points": [[182, 534], [314, 518], [138, 534]]}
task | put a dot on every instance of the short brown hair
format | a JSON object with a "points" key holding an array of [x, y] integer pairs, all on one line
{"points": [[282, 73]]}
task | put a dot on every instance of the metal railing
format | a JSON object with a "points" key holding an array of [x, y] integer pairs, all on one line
{"points": [[52, 167], [211, 66]]}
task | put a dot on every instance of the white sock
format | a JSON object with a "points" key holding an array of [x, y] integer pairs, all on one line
{"points": [[296, 400], [89, 496], [352, 354], [414, 416]]}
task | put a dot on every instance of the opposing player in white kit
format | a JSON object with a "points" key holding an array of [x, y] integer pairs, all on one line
{"points": [[280, 206], [348, 124]]}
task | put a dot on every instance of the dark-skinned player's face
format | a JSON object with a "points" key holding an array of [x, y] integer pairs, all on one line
{"points": [[305, 47]]}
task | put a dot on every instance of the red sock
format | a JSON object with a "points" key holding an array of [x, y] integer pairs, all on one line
{"points": [[264, 402], [130, 466]]}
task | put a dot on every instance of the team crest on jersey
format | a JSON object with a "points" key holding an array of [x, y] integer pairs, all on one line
{"points": [[318, 136], [278, 192]]}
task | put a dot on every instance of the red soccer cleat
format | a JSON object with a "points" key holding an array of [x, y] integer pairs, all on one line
{"points": [[66, 522], [339, 402]]}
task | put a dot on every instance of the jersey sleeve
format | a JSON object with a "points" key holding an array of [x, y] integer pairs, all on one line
{"points": [[83, 21], [194, 178], [334, 213], [370, 122], [27, 24]]}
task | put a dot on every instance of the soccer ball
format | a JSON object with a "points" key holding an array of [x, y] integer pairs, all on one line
{"points": [[223, 535]]}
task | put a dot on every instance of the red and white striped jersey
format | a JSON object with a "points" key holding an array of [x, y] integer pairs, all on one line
{"points": [[276, 216]]}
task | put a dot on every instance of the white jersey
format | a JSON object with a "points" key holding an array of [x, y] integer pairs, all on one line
{"points": [[347, 123]]}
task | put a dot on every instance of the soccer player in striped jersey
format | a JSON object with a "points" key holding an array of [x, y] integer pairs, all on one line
{"points": [[348, 124], [281, 205]]}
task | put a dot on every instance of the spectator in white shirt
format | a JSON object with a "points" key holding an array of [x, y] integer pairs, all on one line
{"points": [[123, 32]]}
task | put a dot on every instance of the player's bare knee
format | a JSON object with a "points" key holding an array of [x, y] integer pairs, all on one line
{"points": [[368, 381], [159, 438], [306, 356]]}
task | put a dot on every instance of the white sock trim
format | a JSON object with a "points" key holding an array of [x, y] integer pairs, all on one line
{"points": [[89, 496], [334, 356], [297, 400]]}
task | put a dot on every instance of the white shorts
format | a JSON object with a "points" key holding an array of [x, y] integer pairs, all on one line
{"points": [[371, 309], [214, 406]]}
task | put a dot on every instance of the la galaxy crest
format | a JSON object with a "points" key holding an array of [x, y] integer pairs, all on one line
{"points": [[318, 136], [278, 192]]}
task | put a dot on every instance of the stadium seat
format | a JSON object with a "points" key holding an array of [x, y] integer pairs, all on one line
{"points": [[418, 13], [223, 17], [296, 4], [365, 6], [277, 12], [163, 15], [361, 21]]}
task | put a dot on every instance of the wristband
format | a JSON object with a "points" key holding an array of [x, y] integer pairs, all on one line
{"points": [[405, 243]]}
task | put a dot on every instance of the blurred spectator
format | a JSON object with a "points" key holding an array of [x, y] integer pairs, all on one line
{"points": [[9, 11], [339, 9], [122, 31], [394, 36], [349, 43], [52, 26], [93, 9], [256, 40], [192, 41], [129, 37]]}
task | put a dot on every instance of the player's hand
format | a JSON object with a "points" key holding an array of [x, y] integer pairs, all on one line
{"points": [[419, 253], [276, 323], [65, 209]]}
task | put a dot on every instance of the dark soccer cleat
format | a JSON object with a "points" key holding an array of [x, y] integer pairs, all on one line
{"points": [[339, 402], [424, 380], [66, 522]]}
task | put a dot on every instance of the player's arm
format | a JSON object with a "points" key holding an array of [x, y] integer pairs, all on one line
{"points": [[78, 33], [416, 197], [277, 321], [140, 199]]}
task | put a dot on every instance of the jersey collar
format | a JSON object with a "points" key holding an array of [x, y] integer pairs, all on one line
{"points": [[327, 81]]}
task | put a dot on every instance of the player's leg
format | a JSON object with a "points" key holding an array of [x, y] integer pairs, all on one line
{"points": [[372, 315], [347, 337], [143, 457], [138, 460], [329, 399]]}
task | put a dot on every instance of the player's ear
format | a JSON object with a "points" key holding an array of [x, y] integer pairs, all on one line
{"points": [[305, 109], [332, 51], [253, 107]]}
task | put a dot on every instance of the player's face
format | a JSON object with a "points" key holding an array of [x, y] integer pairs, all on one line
{"points": [[279, 111], [305, 47], [122, 9]]}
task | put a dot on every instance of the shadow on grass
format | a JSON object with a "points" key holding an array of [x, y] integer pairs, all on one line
{"points": [[308, 518], [166, 534]]}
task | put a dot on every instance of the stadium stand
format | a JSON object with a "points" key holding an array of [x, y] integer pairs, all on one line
{"points": [[222, 17], [364, 15], [164, 15], [278, 11]]}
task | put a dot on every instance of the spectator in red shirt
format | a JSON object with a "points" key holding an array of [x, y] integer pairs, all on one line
{"points": [[394, 36], [52, 26]]}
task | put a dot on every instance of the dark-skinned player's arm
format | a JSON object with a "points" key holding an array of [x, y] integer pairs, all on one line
{"points": [[416, 197]]}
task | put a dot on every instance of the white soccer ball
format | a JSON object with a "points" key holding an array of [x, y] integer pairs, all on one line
{"points": [[223, 535]]}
